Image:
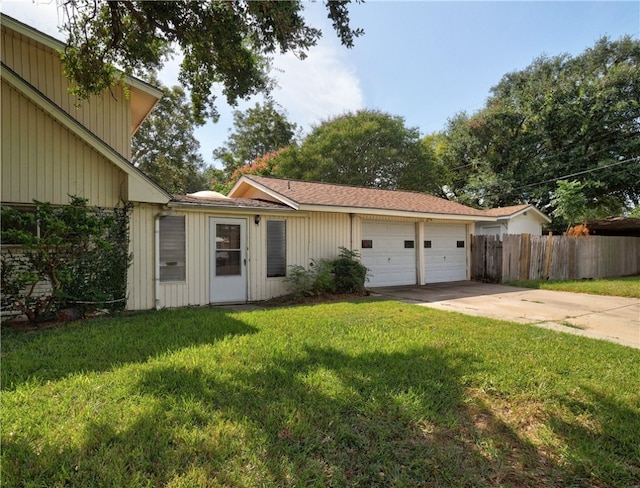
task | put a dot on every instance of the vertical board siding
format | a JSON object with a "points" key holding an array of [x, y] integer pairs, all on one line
{"points": [[141, 277], [327, 233], [68, 167], [260, 287], [195, 289], [526, 257], [106, 115]]}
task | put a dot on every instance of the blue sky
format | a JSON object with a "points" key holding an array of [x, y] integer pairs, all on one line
{"points": [[423, 60]]}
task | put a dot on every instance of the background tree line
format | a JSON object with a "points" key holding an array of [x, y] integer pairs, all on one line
{"points": [[563, 133]]}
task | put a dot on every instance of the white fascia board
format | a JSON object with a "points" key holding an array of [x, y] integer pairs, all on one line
{"points": [[397, 213], [155, 194], [226, 208], [267, 191]]}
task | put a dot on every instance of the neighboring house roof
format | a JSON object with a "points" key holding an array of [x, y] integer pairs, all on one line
{"points": [[305, 195], [142, 96], [615, 226], [515, 210]]}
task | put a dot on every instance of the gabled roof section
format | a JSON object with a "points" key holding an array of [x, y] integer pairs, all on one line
{"points": [[140, 187], [227, 203], [305, 195], [515, 210], [143, 96]]}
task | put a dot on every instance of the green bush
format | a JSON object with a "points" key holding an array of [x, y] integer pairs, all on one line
{"points": [[70, 256], [349, 274], [345, 274]]}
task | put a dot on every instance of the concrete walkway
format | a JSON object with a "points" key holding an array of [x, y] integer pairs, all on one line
{"points": [[614, 319]]}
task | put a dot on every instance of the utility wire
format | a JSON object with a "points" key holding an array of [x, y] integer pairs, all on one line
{"points": [[637, 158]]}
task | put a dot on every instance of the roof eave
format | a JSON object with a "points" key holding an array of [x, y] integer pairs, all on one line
{"points": [[528, 209], [227, 207], [244, 180], [396, 213]]}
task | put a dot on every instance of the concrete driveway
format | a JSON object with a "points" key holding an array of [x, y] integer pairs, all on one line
{"points": [[614, 319]]}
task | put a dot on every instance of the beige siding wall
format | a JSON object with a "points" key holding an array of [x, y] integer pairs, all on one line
{"points": [[327, 233], [141, 277], [42, 160], [310, 236], [107, 116], [195, 290], [261, 287]]}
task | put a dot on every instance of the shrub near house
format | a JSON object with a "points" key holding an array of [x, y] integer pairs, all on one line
{"points": [[80, 255]]}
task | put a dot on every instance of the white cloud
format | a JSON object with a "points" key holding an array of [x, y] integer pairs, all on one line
{"points": [[311, 90], [321, 86], [42, 15]]}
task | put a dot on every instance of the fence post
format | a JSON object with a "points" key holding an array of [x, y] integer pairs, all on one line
{"points": [[525, 256], [547, 262]]}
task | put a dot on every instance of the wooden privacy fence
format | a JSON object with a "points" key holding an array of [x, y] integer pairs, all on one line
{"points": [[527, 257]]}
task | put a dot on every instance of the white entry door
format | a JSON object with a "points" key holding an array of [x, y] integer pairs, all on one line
{"points": [[228, 260]]}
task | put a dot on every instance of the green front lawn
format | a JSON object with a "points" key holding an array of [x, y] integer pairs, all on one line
{"points": [[621, 287], [364, 393]]}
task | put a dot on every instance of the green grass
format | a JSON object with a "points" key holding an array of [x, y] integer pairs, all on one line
{"points": [[364, 393], [622, 287]]}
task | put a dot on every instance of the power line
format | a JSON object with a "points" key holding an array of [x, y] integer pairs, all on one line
{"points": [[637, 158]]}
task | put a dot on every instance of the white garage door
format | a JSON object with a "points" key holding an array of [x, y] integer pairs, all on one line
{"points": [[445, 252], [389, 251]]}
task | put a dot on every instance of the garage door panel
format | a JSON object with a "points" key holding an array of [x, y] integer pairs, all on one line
{"points": [[389, 262], [444, 261]]}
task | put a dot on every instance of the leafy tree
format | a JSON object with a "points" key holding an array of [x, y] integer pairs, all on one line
{"points": [[560, 117], [259, 131], [569, 202], [223, 42], [367, 148], [263, 166], [81, 254], [165, 148]]}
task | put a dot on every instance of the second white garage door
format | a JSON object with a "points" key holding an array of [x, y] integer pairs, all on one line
{"points": [[389, 251], [445, 252]]}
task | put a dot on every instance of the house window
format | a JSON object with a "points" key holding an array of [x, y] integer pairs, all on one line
{"points": [[172, 249], [276, 248], [367, 244], [427, 244], [459, 243], [409, 245]]}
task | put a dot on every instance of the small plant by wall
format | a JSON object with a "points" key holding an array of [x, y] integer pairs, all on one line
{"points": [[59, 257], [344, 274]]}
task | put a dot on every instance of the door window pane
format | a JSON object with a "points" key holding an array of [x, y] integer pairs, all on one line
{"points": [[228, 252]]}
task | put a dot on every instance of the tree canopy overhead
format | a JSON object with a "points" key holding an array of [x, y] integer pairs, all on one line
{"points": [[224, 42], [563, 117]]}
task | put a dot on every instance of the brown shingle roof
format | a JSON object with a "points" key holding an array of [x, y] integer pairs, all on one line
{"points": [[506, 211], [332, 195], [229, 202]]}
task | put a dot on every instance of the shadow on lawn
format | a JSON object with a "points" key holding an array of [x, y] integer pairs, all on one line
{"points": [[103, 344], [322, 419]]}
